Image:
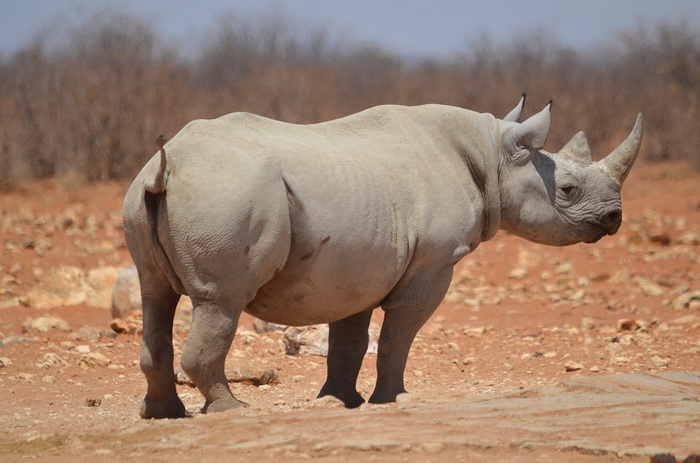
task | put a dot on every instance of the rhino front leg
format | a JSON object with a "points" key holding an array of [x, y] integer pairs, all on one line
{"points": [[347, 345], [211, 333], [159, 303], [405, 313]]}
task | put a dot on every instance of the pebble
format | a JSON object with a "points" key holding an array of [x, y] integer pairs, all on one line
{"points": [[45, 324], [51, 360], [648, 287], [626, 324], [90, 402], [659, 362], [94, 359], [126, 295], [5, 362], [573, 366], [433, 447], [327, 402], [588, 323], [663, 458]]}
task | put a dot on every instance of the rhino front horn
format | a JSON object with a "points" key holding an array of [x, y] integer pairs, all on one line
{"points": [[618, 163]]}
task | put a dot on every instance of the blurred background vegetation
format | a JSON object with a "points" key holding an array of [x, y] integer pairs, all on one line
{"points": [[88, 100]]}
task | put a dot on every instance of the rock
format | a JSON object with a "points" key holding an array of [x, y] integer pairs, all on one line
{"points": [[477, 330], [626, 324], [518, 273], [45, 324], [573, 366], [528, 258], [70, 285], [93, 402], [261, 326], [94, 359], [659, 362], [51, 360], [663, 458], [564, 268], [27, 378], [691, 238], [588, 323], [313, 340], [132, 324], [432, 447], [101, 281], [92, 333], [648, 287], [620, 360], [11, 339], [126, 295], [660, 237], [327, 402], [255, 377], [689, 300], [5, 362], [686, 320], [578, 296]]}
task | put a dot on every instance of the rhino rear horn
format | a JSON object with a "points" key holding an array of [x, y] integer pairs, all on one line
{"points": [[514, 115], [618, 163], [534, 131], [577, 150]]}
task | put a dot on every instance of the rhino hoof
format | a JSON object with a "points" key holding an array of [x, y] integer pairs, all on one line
{"points": [[222, 405], [158, 409]]}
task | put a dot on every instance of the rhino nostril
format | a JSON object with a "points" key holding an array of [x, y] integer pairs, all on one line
{"points": [[611, 221]]}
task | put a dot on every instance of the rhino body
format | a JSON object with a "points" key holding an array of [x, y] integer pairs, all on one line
{"points": [[323, 223]]}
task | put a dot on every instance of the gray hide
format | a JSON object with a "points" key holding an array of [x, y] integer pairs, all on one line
{"points": [[323, 223]]}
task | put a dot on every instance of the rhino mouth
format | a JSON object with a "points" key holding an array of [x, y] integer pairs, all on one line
{"points": [[597, 237]]}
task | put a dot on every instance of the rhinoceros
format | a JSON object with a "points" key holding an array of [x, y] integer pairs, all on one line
{"points": [[323, 223]]}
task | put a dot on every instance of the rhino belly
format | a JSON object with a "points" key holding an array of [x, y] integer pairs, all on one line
{"points": [[319, 294]]}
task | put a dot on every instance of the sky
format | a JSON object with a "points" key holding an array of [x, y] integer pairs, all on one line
{"points": [[413, 28]]}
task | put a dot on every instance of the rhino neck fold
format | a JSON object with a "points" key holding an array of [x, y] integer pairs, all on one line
{"points": [[481, 156]]}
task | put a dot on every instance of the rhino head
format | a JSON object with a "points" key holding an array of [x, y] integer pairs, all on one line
{"points": [[560, 198]]}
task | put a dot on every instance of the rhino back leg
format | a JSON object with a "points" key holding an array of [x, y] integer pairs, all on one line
{"points": [[347, 344], [159, 303], [213, 328], [406, 308]]}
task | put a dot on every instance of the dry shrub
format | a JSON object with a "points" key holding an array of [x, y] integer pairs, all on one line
{"points": [[93, 98]]}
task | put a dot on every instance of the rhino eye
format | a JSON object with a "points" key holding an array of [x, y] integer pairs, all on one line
{"points": [[567, 189]]}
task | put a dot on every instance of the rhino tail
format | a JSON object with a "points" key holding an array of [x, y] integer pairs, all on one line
{"points": [[157, 184], [153, 212]]}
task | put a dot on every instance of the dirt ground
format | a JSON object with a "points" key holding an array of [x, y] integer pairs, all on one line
{"points": [[516, 365]]}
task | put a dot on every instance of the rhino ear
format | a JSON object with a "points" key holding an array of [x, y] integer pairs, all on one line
{"points": [[534, 131], [522, 140], [514, 115]]}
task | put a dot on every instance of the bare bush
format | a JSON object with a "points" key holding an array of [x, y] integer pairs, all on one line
{"points": [[91, 100]]}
